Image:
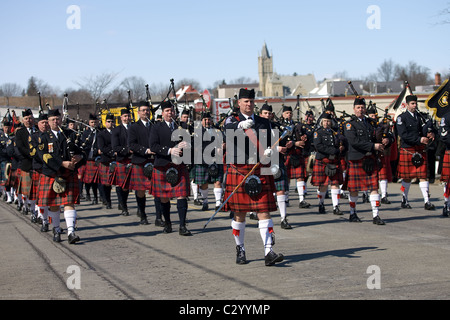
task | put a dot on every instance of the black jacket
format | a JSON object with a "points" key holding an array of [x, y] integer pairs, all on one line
{"points": [[139, 142], [119, 142], [23, 141], [411, 129], [105, 146], [161, 142]]}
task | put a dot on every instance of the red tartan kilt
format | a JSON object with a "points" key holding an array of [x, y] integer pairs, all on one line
{"points": [[16, 180], [319, 178], [118, 177], [34, 191], [445, 174], [358, 180], [12, 179], [24, 183], [295, 173], [90, 172], [48, 197], [136, 180], [241, 201], [161, 188], [80, 172], [385, 172], [405, 168], [103, 174]]}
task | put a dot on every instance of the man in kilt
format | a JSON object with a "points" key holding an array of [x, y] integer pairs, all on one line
{"points": [[362, 171], [280, 178], [41, 215], [170, 180], [106, 157], [241, 161], [58, 185], [330, 148], [414, 133], [200, 174], [119, 143], [139, 142], [89, 144], [444, 133], [23, 144], [6, 150], [295, 160]]}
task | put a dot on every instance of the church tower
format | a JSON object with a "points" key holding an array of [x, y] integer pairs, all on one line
{"points": [[265, 69]]}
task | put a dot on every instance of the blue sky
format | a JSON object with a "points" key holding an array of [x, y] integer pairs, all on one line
{"points": [[214, 40]]}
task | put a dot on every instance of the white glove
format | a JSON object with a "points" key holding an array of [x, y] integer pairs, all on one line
{"points": [[247, 124], [268, 152]]}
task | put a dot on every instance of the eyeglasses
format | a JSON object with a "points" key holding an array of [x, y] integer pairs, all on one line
{"points": [[110, 121]]}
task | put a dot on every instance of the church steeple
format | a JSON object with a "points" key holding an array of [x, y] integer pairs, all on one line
{"points": [[265, 69]]}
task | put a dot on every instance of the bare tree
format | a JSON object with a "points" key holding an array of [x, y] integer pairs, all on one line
{"points": [[11, 90], [386, 71], [187, 81], [80, 96], [97, 85], [414, 74], [137, 87], [242, 80]]}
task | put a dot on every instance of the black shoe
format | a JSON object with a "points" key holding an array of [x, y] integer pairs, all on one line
{"points": [[337, 211], [34, 218], [160, 223], [322, 208], [57, 237], [95, 201], [88, 198], [125, 212], [44, 227], [377, 220], [354, 218], [143, 221], [205, 207], [184, 231], [445, 210], [197, 202], [73, 238], [285, 224], [365, 198], [167, 228], [405, 204], [429, 206], [304, 204], [240, 255], [108, 205], [271, 258], [385, 200]]}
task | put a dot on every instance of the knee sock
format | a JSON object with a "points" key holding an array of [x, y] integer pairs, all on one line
{"points": [[56, 219], [194, 187], [158, 207], [405, 189], [301, 190], [165, 208], [335, 194], [70, 216], [182, 211], [375, 203], [281, 201], [266, 229], [321, 196], [424, 187], [204, 194], [238, 232], [352, 200], [383, 188], [141, 205], [218, 195]]}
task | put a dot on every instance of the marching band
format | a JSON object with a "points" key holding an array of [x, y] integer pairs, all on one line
{"points": [[45, 166]]}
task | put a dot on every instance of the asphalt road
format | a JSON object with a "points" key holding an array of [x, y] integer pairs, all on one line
{"points": [[326, 257]]}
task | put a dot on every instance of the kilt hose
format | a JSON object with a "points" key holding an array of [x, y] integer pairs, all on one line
{"points": [[242, 202], [90, 174], [199, 174], [25, 183], [319, 178], [358, 180], [160, 188], [135, 179], [295, 173], [406, 169], [3, 173], [11, 182], [35, 180], [103, 174], [48, 197]]}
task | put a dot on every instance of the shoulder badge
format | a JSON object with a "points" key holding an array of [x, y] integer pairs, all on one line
{"points": [[399, 120], [348, 126]]}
